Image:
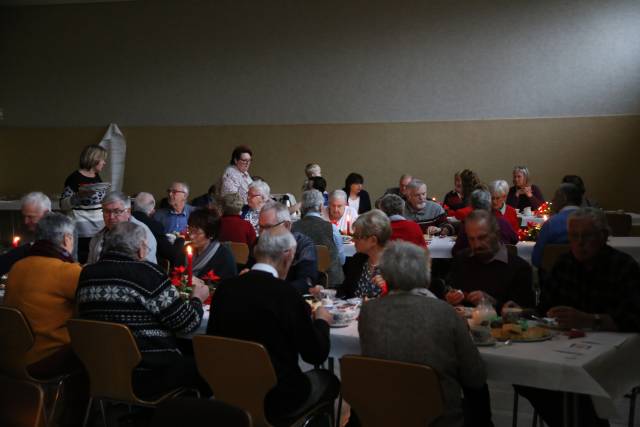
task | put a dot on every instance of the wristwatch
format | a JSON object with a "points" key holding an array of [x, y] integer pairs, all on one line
{"points": [[597, 322]]}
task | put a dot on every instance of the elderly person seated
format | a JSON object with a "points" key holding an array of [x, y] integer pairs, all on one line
{"points": [[207, 200], [481, 200], [409, 327], [401, 228], [594, 286], [43, 286], [123, 288], [469, 181], [523, 194], [232, 227], [34, 206], [260, 306], [174, 218], [566, 199], [303, 273], [116, 208], [210, 255], [143, 208], [401, 189], [499, 190], [372, 231], [257, 195], [578, 182], [487, 270], [339, 213], [453, 200], [322, 232], [429, 214], [358, 198]]}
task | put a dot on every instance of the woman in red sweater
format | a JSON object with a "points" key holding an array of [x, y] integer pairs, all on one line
{"points": [[499, 190], [401, 228]]}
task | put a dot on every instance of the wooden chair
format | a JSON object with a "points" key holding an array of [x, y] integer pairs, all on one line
{"points": [[16, 339], [21, 403], [109, 353], [324, 261], [551, 253], [366, 383], [240, 252], [241, 374], [186, 412], [619, 223]]}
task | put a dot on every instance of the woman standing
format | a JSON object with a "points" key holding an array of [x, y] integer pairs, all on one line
{"points": [[523, 194], [236, 178], [83, 197], [358, 198]]}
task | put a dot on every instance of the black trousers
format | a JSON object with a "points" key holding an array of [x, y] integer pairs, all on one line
{"points": [[149, 383]]}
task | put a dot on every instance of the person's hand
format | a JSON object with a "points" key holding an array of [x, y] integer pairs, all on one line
{"points": [[569, 317], [454, 296], [433, 230], [476, 296], [444, 231], [199, 290], [527, 191], [316, 290], [322, 314], [378, 281], [243, 271]]}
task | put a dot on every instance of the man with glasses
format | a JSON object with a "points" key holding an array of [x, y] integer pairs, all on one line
{"points": [[116, 208], [594, 286], [174, 218]]}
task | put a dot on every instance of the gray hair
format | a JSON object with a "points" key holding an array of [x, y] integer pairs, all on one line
{"points": [[522, 169], [374, 223], [597, 216], [53, 227], [37, 198], [282, 212], [498, 187], [405, 266], [392, 204], [144, 202], [481, 199], [415, 184], [126, 238], [117, 196], [262, 187], [480, 215], [272, 245], [312, 169], [232, 204], [338, 194], [312, 201], [404, 176], [184, 185]]}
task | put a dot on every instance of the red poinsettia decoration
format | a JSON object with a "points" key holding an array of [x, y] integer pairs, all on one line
{"points": [[179, 279], [543, 209], [530, 233], [210, 278]]}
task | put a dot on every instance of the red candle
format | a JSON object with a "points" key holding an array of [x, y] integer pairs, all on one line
{"points": [[16, 241], [189, 265]]}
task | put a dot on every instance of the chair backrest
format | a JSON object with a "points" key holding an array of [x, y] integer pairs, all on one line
{"points": [[511, 249], [240, 252], [551, 253], [16, 339], [190, 412], [324, 258], [619, 223], [21, 403], [109, 353], [239, 372], [366, 383]]}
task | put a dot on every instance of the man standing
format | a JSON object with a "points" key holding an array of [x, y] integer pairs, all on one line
{"points": [[116, 208], [430, 215], [260, 306], [174, 218], [488, 271], [567, 199], [34, 206]]}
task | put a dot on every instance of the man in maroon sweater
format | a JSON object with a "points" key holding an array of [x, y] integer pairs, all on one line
{"points": [[401, 228]]}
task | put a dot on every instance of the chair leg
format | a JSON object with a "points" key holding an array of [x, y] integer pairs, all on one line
{"points": [[514, 419], [104, 414], [54, 404], [632, 406], [534, 423], [87, 412]]}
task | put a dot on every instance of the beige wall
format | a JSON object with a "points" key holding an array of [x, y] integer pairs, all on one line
{"points": [[603, 150]]}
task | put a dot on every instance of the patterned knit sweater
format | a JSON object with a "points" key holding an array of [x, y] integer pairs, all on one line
{"points": [[139, 295]]}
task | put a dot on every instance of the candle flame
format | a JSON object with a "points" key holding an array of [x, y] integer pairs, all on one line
{"points": [[544, 217], [16, 241], [189, 250]]}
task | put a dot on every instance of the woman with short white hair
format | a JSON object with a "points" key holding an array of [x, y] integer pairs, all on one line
{"points": [[524, 194], [257, 195], [499, 189]]}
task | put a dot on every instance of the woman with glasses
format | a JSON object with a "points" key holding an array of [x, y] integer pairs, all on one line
{"points": [[236, 178], [210, 255], [83, 194], [362, 278]]}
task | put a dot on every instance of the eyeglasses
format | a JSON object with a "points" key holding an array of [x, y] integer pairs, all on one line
{"points": [[268, 226], [244, 161], [195, 230], [114, 212], [172, 191]]}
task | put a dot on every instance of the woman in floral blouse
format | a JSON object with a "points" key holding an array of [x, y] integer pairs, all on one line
{"points": [[236, 178]]}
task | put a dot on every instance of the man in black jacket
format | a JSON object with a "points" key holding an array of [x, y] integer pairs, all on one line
{"points": [[259, 306]]}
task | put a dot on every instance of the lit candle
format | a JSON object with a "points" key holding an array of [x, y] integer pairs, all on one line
{"points": [[433, 198], [544, 217], [16, 241], [189, 265]]}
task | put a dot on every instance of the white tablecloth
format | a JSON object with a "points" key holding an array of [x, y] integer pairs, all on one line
{"points": [[525, 219]]}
